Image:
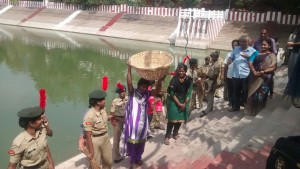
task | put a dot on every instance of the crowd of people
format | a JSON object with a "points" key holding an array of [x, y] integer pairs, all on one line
{"points": [[246, 74]]}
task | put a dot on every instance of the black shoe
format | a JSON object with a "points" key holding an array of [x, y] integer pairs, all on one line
{"points": [[203, 113], [119, 160], [232, 110]]}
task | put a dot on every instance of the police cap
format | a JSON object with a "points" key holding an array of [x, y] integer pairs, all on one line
{"points": [[97, 94], [31, 112]]}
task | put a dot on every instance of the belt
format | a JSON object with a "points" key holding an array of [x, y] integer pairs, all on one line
{"points": [[36, 166], [119, 116], [98, 135]]}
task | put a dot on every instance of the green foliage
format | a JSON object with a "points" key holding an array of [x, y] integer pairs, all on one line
{"points": [[286, 6], [245, 4], [189, 3]]}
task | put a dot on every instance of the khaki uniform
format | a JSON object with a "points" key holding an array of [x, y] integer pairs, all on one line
{"points": [[220, 77], [118, 109], [196, 88], [202, 73], [96, 122], [214, 69], [30, 152]]}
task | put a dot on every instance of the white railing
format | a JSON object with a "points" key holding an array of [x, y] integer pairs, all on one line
{"points": [[201, 13], [248, 16], [194, 23]]}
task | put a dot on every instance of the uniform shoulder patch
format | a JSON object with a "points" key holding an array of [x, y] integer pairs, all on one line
{"points": [[11, 152], [88, 123]]}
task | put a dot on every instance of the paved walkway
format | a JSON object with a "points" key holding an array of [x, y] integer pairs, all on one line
{"points": [[130, 26], [221, 139], [127, 26]]}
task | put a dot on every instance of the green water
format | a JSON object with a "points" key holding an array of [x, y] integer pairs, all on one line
{"points": [[68, 66]]}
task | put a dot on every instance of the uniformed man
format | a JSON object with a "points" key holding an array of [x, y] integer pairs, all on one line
{"points": [[117, 112], [193, 73], [220, 79], [30, 149], [212, 75], [202, 73], [95, 130]]}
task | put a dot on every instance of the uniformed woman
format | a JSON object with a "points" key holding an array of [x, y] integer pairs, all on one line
{"points": [[30, 149], [95, 130], [117, 111]]}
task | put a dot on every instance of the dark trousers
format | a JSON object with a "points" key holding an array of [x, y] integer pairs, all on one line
{"points": [[230, 91], [240, 92], [272, 84], [287, 56], [172, 126], [135, 151], [150, 117]]}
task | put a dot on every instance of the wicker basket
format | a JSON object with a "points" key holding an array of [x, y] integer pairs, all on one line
{"points": [[151, 65]]}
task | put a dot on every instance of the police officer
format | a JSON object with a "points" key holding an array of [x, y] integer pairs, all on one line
{"points": [[30, 149], [95, 130], [117, 111], [192, 72], [212, 75]]}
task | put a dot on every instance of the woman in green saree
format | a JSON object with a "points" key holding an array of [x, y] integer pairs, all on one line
{"points": [[179, 94], [262, 65]]}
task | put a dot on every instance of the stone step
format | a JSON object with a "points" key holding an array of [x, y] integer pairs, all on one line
{"points": [[221, 160], [246, 132], [212, 138], [245, 159], [261, 136], [201, 163], [290, 120], [204, 136]]}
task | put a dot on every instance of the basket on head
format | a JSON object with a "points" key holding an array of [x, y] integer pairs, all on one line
{"points": [[151, 65]]}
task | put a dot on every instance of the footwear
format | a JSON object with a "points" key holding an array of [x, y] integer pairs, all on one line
{"points": [[203, 113], [176, 136], [152, 130], [119, 160], [232, 110], [284, 64], [139, 163], [132, 166], [217, 96], [160, 127], [166, 141], [271, 96], [149, 137]]}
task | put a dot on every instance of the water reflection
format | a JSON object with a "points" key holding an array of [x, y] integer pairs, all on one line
{"points": [[68, 66]]}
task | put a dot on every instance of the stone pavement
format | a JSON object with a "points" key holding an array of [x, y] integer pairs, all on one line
{"points": [[219, 140], [119, 25], [131, 26], [233, 30]]}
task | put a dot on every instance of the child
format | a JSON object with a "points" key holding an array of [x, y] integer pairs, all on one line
{"points": [[157, 112]]}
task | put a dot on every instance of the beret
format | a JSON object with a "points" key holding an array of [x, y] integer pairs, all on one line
{"points": [[193, 61], [214, 54], [97, 94], [31, 112], [120, 90]]}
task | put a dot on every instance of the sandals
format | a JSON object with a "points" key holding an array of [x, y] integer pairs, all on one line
{"points": [[176, 137]]}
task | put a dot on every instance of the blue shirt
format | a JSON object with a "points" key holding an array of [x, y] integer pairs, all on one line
{"points": [[240, 66]]}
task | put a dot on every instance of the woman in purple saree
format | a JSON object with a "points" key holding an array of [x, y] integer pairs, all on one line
{"points": [[136, 119], [262, 65]]}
